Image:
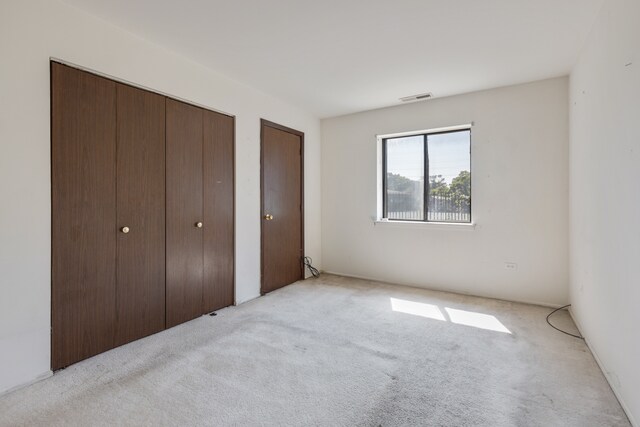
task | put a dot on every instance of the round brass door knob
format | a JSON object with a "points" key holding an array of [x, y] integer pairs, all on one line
{"points": [[268, 217], [125, 230], [199, 224]]}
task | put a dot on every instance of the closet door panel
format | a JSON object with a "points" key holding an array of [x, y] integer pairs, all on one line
{"points": [[184, 239], [140, 297], [83, 226], [218, 164]]}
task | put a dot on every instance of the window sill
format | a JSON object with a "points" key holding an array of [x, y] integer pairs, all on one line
{"points": [[425, 225]]}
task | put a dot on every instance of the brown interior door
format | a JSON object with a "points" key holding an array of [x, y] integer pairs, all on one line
{"points": [[282, 206], [83, 223], [219, 245], [184, 237], [140, 307]]}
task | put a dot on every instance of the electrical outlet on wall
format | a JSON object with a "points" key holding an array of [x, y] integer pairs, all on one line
{"points": [[510, 266]]}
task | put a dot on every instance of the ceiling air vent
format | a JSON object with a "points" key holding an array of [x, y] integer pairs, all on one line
{"points": [[420, 97]]}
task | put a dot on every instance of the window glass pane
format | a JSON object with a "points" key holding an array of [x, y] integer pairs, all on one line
{"points": [[405, 178], [449, 177]]}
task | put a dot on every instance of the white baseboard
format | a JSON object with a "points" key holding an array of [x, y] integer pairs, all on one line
{"points": [[439, 289], [625, 408], [37, 378], [251, 298]]}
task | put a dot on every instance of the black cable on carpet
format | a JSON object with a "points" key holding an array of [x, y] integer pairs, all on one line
{"points": [[314, 271], [558, 329]]}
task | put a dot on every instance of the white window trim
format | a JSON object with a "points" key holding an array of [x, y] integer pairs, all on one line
{"points": [[379, 220], [462, 226]]}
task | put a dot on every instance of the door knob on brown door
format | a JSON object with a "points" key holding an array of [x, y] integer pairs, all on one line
{"points": [[198, 224], [268, 217], [125, 230]]}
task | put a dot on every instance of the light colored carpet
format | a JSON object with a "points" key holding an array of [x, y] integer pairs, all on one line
{"points": [[337, 352]]}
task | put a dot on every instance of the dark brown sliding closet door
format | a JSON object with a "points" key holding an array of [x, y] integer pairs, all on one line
{"points": [[184, 212], [83, 226], [142, 213], [218, 163], [140, 307]]}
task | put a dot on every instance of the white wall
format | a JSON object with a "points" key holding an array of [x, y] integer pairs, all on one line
{"points": [[605, 197], [519, 187], [32, 31]]}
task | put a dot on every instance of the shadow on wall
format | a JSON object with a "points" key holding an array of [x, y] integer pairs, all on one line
{"points": [[460, 317]]}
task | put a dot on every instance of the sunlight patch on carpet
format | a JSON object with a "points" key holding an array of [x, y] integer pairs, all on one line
{"points": [[459, 317], [417, 309], [477, 320]]}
